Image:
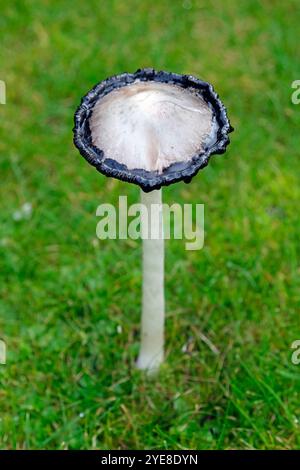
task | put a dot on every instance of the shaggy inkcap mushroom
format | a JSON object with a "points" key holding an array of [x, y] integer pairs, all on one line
{"points": [[151, 128]]}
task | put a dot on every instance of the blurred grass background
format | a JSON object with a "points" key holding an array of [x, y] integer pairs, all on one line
{"points": [[70, 304]]}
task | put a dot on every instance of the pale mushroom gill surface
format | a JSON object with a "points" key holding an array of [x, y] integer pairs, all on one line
{"points": [[150, 125]]}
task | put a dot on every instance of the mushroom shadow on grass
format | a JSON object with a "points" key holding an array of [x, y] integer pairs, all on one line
{"points": [[152, 129]]}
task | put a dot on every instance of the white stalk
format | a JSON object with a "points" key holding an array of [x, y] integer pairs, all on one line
{"points": [[153, 302]]}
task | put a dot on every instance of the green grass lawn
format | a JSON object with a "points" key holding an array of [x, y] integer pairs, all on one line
{"points": [[70, 304]]}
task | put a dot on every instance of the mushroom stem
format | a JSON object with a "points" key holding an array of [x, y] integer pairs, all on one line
{"points": [[153, 302]]}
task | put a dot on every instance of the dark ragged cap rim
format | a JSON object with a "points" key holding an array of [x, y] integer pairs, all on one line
{"points": [[149, 180]]}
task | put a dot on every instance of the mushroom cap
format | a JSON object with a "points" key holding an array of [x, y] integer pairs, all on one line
{"points": [[151, 128]]}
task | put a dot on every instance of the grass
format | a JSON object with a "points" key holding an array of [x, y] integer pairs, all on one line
{"points": [[70, 304]]}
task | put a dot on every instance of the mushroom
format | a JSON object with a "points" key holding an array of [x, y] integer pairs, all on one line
{"points": [[152, 129]]}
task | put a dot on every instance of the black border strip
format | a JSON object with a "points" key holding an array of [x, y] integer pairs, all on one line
{"points": [[104, 459]]}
